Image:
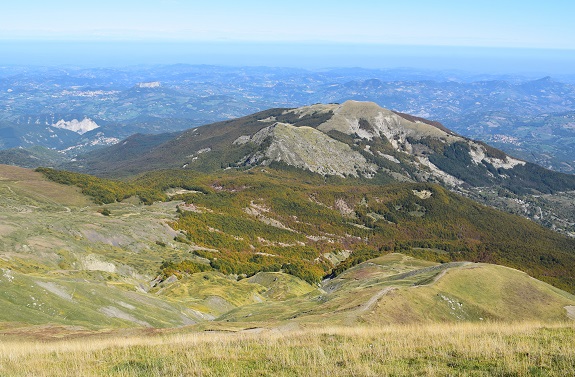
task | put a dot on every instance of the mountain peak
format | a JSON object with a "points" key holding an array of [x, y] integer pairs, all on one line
{"points": [[368, 120], [351, 139]]}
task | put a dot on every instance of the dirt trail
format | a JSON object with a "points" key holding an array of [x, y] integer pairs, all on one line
{"points": [[375, 298], [442, 273]]}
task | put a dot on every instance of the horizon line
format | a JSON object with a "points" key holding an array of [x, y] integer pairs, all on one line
{"points": [[326, 43]]}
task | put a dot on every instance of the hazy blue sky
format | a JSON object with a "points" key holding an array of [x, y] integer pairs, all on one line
{"points": [[502, 23], [335, 25]]}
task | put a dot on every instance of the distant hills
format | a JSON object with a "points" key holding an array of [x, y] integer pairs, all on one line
{"points": [[526, 117]]}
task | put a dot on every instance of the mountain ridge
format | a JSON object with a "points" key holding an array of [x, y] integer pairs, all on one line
{"points": [[368, 142], [417, 149]]}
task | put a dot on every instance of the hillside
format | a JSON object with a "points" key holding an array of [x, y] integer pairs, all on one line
{"points": [[354, 139], [289, 216], [32, 157], [398, 289], [244, 248]]}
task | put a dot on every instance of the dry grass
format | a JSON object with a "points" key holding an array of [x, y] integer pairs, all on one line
{"points": [[30, 184], [522, 349]]}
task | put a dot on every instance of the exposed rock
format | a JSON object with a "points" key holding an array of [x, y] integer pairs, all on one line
{"points": [[308, 148], [55, 289], [78, 126], [242, 140], [344, 208], [92, 262], [151, 84], [478, 154], [113, 312], [423, 194]]}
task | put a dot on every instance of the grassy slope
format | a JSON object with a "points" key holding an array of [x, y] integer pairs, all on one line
{"points": [[39, 300], [400, 289], [526, 349], [58, 249], [52, 236], [475, 292], [48, 226]]}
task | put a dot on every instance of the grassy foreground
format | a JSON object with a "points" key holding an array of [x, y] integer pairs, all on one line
{"points": [[489, 349]]}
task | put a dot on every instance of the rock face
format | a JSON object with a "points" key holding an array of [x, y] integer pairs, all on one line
{"points": [[310, 149], [78, 126]]}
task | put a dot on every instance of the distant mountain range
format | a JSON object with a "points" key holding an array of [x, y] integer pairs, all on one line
{"points": [[528, 118]]}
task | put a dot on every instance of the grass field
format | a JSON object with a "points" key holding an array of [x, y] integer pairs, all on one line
{"points": [[487, 349]]}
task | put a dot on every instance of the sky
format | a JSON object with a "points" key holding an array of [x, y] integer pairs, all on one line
{"points": [[34, 29]]}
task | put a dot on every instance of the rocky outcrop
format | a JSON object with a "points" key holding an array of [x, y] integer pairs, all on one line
{"points": [[308, 148], [78, 126], [368, 120]]}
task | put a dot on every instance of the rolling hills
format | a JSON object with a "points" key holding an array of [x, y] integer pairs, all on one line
{"points": [[242, 249], [399, 289]]}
